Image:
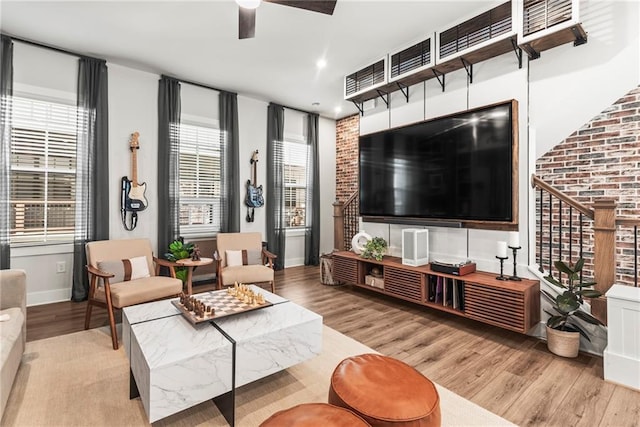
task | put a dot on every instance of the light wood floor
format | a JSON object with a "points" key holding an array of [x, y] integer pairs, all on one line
{"points": [[511, 375]]}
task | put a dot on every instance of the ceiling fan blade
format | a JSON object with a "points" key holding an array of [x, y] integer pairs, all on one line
{"points": [[320, 6], [246, 23]]}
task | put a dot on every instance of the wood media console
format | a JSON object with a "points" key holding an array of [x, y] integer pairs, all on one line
{"points": [[507, 304]]}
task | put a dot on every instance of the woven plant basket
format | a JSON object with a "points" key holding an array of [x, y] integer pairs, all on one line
{"points": [[563, 343]]}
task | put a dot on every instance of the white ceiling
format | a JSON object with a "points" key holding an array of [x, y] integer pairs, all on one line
{"points": [[198, 40]]}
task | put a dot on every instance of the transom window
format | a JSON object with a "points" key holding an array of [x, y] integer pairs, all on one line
{"points": [[295, 152], [199, 179], [43, 171]]}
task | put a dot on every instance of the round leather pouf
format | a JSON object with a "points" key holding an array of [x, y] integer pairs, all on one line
{"points": [[314, 415], [385, 392]]}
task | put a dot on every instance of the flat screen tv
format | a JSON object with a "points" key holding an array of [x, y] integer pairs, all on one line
{"points": [[457, 168]]}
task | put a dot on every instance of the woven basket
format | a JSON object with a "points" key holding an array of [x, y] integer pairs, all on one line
{"points": [[326, 270], [563, 343]]}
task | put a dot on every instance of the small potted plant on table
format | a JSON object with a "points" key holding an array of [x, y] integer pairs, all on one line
{"points": [[563, 330], [179, 250], [375, 249]]}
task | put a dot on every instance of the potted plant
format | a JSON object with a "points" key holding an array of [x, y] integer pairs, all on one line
{"points": [[375, 249], [179, 250], [563, 329]]}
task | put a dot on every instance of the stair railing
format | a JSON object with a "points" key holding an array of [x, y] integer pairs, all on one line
{"points": [[568, 230], [345, 222]]}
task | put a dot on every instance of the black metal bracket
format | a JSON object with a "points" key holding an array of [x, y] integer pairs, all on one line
{"points": [[384, 96], [435, 73], [468, 67], [359, 107], [581, 37], [531, 52], [404, 89], [518, 52]]}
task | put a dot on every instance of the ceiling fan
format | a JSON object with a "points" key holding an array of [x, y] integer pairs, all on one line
{"points": [[247, 12]]}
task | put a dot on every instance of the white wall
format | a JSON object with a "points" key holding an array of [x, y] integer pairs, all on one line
{"points": [[133, 107], [557, 94]]}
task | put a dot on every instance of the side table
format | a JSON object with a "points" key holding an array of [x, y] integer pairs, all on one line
{"points": [[191, 264]]}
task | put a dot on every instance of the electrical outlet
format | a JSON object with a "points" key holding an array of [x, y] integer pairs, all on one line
{"points": [[61, 266]]}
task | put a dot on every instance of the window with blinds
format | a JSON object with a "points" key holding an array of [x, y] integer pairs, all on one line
{"points": [[199, 179], [43, 171], [295, 182]]}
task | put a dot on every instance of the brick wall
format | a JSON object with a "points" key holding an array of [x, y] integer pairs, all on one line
{"points": [[347, 133], [600, 160]]}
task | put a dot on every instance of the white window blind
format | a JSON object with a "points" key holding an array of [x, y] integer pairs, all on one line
{"points": [[295, 182], [43, 171], [199, 178]]}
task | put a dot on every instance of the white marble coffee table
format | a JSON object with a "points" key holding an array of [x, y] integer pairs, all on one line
{"points": [[176, 365]]}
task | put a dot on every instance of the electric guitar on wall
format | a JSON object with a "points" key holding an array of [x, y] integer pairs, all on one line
{"points": [[254, 198], [133, 192]]}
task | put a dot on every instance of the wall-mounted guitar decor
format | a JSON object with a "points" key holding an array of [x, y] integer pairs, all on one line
{"points": [[132, 199], [254, 197]]}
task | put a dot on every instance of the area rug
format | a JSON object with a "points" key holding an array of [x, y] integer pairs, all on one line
{"points": [[78, 380]]}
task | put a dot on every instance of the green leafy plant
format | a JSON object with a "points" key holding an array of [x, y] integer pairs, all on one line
{"points": [[567, 304], [374, 249], [179, 250]]}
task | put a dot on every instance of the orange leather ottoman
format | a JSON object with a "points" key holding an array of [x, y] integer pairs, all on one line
{"points": [[314, 415], [385, 392]]}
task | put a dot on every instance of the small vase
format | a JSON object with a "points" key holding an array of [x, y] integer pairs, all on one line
{"points": [[563, 343]]}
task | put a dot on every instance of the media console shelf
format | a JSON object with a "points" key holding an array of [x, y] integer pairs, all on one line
{"points": [[507, 304]]}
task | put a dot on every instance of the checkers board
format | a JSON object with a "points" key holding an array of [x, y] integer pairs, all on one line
{"points": [[222, 302]]}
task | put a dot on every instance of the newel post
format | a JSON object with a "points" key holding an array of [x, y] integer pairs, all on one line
{"points": [[338, 225], [604, 257]]}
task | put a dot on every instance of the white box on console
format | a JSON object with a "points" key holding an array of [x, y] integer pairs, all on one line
{"points": [[415, 246]]}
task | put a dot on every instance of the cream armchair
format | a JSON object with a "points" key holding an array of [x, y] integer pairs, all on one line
{"points": [[124, 273], [241, 258]]}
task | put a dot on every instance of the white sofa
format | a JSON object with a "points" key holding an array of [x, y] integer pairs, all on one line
{"points": [[13, 332]]}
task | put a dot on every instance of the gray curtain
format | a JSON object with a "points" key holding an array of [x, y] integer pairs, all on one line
{"points": [[6, 92], [168, 158], [312, 223], [230, 215], [276, 228], [92, 167]]}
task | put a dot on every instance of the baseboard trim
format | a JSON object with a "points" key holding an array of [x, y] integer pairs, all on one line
{"points": [[48, 297]]}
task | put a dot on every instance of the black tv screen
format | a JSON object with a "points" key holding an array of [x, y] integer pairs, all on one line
{"points": [[457, 167]]}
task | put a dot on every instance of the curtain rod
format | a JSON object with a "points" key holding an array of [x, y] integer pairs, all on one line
{"points": [[292, 108], [197, 84], [46, 46]]}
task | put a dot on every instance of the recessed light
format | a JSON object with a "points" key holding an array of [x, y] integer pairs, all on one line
{"points": [[315, 104], [338, 109], [321, 63]]}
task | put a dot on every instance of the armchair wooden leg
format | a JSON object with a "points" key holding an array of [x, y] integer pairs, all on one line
{"points": [[112, 322], [92, 291], [87, 316], [273, 286]]}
